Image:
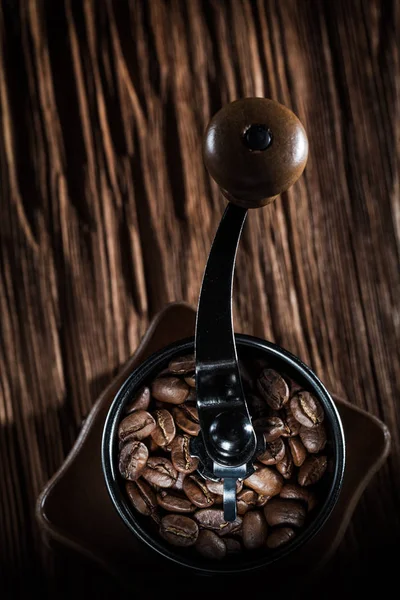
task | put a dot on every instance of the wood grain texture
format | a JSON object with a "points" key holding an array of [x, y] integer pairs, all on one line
{"points": [[107, 214]]}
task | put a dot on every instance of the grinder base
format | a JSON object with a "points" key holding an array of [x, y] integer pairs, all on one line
{"points": [[75, 510]]}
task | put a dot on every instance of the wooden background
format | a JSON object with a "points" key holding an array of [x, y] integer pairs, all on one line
{"points": [[107, 214]]}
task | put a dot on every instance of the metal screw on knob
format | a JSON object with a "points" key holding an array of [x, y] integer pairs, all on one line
{"points": [[257, 138]]}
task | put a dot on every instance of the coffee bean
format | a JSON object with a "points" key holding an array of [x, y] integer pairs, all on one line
{"points": [[210, 545], [292, 491], [299, 453], [132, 459], [175, 502], [179, 530], [160, 472], [314, 439], [254, 530], [258, 408], [141, 401], [164, 432], [291, 425], [271, 427], [280, 536], [217, 487], [232, 546], [178, 485], [265, 481], [213, 518], [284, 512], [151, 445], [312, 470], [274, 452], [262, 500], [190, 380], [196, 490], [136, 426], [171, 390], [192, 398], [246, 500], [155, 516], [187, 418], [180, 455], [142, 497], [294, 387], [182, 365], [306, 409], [285, 466], [273, 388]]}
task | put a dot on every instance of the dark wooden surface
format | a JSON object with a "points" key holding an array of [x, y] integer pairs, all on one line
{"points": [[107, 214]]}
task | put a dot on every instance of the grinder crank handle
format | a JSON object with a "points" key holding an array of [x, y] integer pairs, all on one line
{"points": [[254, 149]]}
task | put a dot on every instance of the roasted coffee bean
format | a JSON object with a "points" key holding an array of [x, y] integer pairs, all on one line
{"points": [[258, 408], [196, 490], [155, 516], [279, 537], [217, 487], [274, 452], [246, 500], [262, 500], [273, 388], [160, 472], [190, 380], [271, 427], [132, 459], [154, 487], [232, 546], [294, 387], [312, 470], [141, 401], [178, 485], [306, 409], [213, 518], [179, 530], [180, 455], [136, 426], [187, 418], [164, 432], [284, 512], [192, 398], [285, 466], [292, 491], [175, 502], [142, 497], [171, 390], [254, 530], [299, 453], [182, 365], [151, 445], [210, 545], [314, 439], [291, 425], [265, 481]]}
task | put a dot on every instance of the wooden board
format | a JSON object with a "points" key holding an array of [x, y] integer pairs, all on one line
{"points": [[107, 214]]}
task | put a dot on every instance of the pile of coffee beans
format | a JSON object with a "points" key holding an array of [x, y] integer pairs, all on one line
{"points": [[273, 504]]}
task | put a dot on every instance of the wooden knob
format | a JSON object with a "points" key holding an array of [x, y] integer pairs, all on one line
{"points": [[255, 149]]}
